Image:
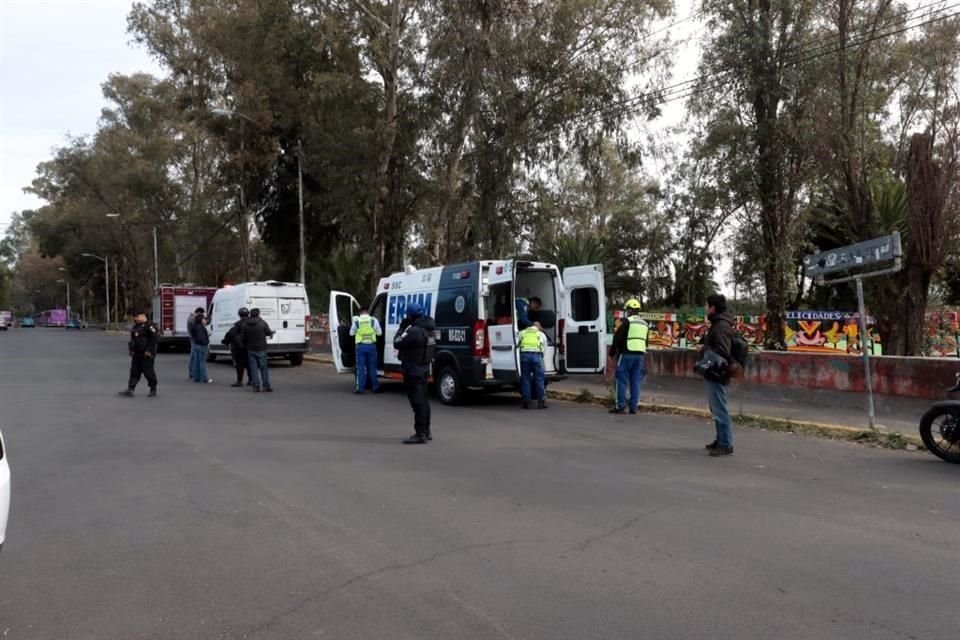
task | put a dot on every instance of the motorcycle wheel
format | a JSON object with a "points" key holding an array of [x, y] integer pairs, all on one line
{"points": [[940, 432]]}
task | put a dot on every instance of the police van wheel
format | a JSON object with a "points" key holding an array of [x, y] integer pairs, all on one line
{"points": [[449, 387], [296, 359], [211, 357]]}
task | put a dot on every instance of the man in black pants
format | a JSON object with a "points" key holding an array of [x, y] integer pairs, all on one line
{"points": [[234, 339], [143, 353], [415, 340]]}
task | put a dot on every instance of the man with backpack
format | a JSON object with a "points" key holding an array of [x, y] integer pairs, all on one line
{"points": [[723, 356]]}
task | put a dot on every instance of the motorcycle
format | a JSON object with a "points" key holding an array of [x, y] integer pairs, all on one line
{"points": [[940, 428]]}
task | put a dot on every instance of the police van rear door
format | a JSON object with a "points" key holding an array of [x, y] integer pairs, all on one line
{"points": [[343, 307], [500, 312], [585, 319]]}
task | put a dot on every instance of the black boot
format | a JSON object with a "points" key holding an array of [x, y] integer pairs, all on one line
{"points": [[153, 393], [618, 410], [417, 438], [526, 405], [238, 383], [428, 435], [541, 404], [126, 394]]}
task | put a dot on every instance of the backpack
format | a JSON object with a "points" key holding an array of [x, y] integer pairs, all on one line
{"points": [[740, 353]]}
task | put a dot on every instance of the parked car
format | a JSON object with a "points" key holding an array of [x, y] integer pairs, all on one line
{"points": [[27, 323], [4, 491], [3, 324], [73, 323]]}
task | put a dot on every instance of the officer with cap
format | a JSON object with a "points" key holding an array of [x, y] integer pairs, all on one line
{"points": [[365, 330], [532, 343], [628, 348], [143, 353], [415, 342], [238, 350]]}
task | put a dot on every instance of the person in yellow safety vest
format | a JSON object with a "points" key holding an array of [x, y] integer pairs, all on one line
{"points": [[532, 343], [366, 329], [628, 349]]}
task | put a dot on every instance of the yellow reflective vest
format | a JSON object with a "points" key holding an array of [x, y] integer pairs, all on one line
{"points": [[530, 341], [637, 332], [366, 334]]}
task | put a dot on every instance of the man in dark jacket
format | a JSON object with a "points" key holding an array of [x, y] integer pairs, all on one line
{"points": [[254, 338], [143, 352], [415, 341], [719, 340], [192, 318], [234, 339], [200, 339]]}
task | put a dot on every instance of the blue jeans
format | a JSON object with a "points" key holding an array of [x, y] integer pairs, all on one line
{"points": [[198, 362], [531, 373], [259, 373], [367, 367], [193, 359], [629, 370], [717, 395]]}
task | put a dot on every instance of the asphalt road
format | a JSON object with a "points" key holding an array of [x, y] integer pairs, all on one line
{"points": [[212, 512]]}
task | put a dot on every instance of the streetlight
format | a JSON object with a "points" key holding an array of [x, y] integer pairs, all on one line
{"points": [[156, 261], [66, 282], [106, 266], [224, 111]]}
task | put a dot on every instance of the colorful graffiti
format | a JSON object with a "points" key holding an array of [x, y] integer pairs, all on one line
{"points": [[941, 338], [807, 331]]}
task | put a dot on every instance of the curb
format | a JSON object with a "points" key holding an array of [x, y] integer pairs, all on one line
{"points": [[887, 440]]}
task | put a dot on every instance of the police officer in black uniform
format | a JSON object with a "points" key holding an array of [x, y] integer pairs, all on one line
{"points": [[143, 353], [415, 341], [234, 339]]}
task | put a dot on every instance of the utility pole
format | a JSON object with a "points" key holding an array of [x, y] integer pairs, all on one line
{"points": [[156, 261], [303, 251]]}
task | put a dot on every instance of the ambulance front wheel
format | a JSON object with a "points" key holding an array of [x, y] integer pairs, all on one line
{"points": [[296, 359], [449, 387]]}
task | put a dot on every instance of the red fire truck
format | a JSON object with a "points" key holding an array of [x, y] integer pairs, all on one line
{"points": [[172, 305]]}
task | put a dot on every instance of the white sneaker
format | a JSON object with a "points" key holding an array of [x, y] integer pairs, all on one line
{"points": [[210, 380]]}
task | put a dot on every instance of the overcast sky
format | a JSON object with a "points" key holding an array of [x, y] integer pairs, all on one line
{"points": [[54, 54]]}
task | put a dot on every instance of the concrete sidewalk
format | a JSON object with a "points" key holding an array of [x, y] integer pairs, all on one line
{"points": [[894, 413]]}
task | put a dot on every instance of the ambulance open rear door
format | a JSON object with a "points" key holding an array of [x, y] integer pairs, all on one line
{"points": [[585, 319], [343, 308]]}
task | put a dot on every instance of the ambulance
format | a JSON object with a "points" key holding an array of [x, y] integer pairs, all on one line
{"points": [[474, 307]]}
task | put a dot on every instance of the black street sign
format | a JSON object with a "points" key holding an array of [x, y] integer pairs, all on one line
{"points": [[872, 254]]}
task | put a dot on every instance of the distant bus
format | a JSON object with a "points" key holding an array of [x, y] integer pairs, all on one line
{"points": [[52, 318]]}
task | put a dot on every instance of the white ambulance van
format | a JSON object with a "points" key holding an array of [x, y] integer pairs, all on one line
{"points": [[474, 307], [283, 305]]}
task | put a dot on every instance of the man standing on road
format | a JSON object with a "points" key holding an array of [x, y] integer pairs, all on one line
{"points": [[628, 349], [255, 333], [191, 319], [200, 338], [234, 339], [415, 341], [143, 353], [366, 329], [719, 340], [533, 343]]}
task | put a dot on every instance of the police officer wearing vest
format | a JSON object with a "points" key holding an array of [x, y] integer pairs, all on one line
{"points": [[628, 349], [532, 343], [365, 330], [416, 341], [143, 353]]}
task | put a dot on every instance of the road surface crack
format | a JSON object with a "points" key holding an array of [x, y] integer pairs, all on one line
{"points": [[583, 546], [400, 566]]}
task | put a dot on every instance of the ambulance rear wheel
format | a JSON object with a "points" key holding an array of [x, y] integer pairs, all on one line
{"points": [[296, 359], [449, 387]]}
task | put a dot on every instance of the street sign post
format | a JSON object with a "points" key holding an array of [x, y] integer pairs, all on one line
{"points": [[877, 257]]}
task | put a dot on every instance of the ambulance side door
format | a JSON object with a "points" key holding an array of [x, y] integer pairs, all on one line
{"points": [[343, 308], [585, 316], [502, 321]]}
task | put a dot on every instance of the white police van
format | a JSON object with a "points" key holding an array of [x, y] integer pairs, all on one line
{"points": [[283, 305], [474, 307]]}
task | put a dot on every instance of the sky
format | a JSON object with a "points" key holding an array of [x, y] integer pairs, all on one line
{"points": [[54, 55]]}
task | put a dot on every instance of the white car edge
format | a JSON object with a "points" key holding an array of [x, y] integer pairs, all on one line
{"points": [[4, 490]]}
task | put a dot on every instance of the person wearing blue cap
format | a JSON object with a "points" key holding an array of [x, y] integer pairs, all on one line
{"points": [[415, 341]]}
